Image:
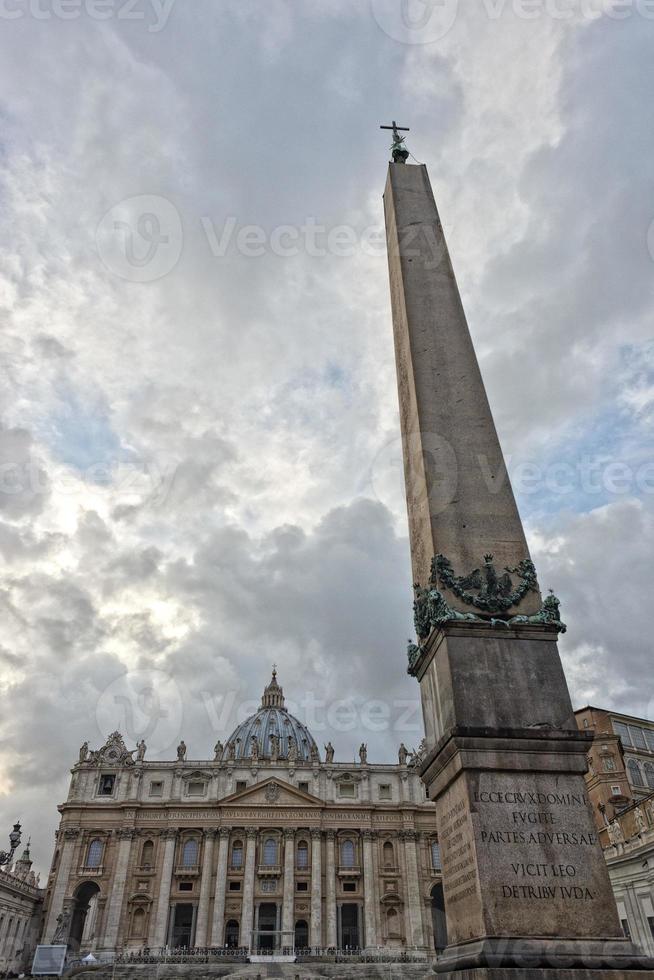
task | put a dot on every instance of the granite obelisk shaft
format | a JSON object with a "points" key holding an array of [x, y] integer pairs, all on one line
{"points": [[527, 892]]}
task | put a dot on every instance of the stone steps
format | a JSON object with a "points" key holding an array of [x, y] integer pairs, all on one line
{"points": [[294, 971]]}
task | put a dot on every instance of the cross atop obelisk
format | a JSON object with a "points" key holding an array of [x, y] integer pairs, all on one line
{"points": [[398, 149]]}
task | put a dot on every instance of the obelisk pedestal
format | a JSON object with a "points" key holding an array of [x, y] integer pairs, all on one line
{"points": [[527, 892]]}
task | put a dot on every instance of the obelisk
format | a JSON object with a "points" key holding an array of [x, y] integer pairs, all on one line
{"points": [[527, 892]]}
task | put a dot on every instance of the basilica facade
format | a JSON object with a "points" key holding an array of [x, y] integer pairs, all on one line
{"points": [[269, 845]]}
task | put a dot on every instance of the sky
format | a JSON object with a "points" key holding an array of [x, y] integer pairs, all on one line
{"points": [[200, 470]]}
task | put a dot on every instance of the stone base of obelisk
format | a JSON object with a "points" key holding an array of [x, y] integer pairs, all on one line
{"points": [[525, 882], [499, 973]]}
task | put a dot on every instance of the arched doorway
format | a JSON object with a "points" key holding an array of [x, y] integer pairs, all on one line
{"points": [[301, 934], [438, 917], [231, 934], [84, 895]]}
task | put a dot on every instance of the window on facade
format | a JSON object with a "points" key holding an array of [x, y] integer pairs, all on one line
{"points": [[303, 787], [195, 788], [147, 854], [649, 738], [649, 774], [389, 855], [650, 923], [623, 732], [385, 791], [625, 928], [347, 854], [94, 854], [638, 737], [616, 791], [270, 852], [349, 886], [235, 886], [237, 854], [186, 886], [347, 790], [190, 853], [635, 775], [232, 930], [106, 786], [303, 854], [156, 788], [241, 784], [436, 856], [269, 885], [302, 886], [138, 923]]}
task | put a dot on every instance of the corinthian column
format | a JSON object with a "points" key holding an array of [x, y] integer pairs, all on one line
{"points": [[161, 915], [118, 881], [247, 917], [369, 890], [331, 937], [218, 927], [415, 932], [202, 921], [69, 837], [316, 889], [289, 881]]}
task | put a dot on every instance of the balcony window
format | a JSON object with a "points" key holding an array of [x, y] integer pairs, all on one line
{"points": [[190, 853], [94, 854], [436, 856], [237, 854], [347, 854], [303, 855], [156, 788], [270, 853]]}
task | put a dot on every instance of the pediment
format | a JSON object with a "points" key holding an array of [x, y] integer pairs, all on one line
{"points": [[273, 792]]}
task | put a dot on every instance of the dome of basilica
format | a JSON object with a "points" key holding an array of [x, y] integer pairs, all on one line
{"points": [[272, 733]]}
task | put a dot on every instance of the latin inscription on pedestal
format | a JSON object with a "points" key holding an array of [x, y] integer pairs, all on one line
{"points": [[528, 841]]}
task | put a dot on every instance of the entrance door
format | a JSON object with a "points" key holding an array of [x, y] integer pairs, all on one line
{"points": [[350, 927], [267, 926], [182, 931]]}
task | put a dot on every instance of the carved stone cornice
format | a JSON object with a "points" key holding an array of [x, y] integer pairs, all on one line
{"points": [[369, 835], [289, 833], [330, 835], [316, 834], [71, 833], [225, 832], [251, 833], [209, 834], [169, 834], [409, 835]]}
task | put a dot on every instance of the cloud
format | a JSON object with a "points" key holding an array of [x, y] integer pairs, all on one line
{"points": [[207, 476]]}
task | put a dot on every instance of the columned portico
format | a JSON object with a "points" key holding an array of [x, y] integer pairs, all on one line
{"points": [[289, 882], [163, 905], [218, 926], [247, 917], [202, 920], [316, 889], [125, 838], [331, 937], [415, 931], [370, 890]]}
